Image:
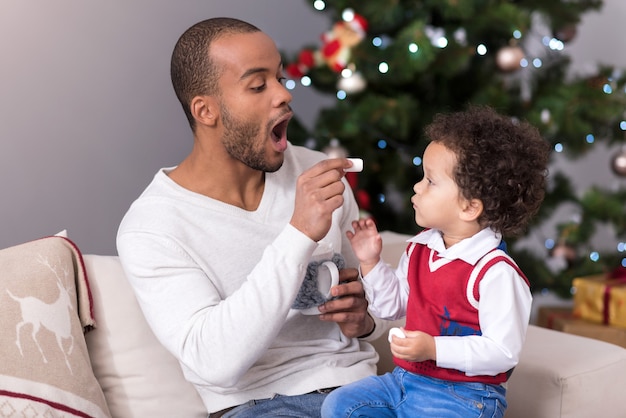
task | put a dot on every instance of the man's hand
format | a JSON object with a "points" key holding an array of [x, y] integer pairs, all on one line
{"points": [[349, 310], [319, 191]]}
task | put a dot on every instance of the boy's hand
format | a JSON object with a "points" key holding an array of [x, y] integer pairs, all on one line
{"points": [[366, 242], [416, 346]]}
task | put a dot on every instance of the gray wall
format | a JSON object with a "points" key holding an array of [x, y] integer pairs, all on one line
{"points": [[87, 114], [599, 40]]}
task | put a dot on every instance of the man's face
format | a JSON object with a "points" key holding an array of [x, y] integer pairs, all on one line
{"points": [[254, 104]]}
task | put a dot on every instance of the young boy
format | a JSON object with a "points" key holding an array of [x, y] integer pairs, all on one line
{"points": [[466, 302]]}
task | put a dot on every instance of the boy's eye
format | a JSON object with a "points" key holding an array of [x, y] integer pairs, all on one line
{"points": [[282, 80]]}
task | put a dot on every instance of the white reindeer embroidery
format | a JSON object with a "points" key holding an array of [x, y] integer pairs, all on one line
{"points": [[53, 316]]}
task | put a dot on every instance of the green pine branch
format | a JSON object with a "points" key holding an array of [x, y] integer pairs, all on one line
{"points": [[384, 123]]}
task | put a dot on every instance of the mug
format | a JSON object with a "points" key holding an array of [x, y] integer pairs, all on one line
{"points": [[322, 274]]}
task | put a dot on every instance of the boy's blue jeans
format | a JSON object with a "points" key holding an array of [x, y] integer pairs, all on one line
{"points": [[404, 394]]}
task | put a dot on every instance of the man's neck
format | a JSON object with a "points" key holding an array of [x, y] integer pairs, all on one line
{"points": [[233, 184]]}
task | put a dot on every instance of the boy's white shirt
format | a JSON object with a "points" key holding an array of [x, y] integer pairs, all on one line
{"points": [[504, 309]]}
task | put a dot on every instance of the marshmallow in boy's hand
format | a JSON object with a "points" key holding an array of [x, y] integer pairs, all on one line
{"points": [[357, 165], [397, 332]]}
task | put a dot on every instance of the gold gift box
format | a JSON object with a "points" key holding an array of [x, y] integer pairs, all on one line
{"points": [[600, 299], [562, 319]]}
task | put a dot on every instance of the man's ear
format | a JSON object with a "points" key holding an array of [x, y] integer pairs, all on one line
{"points": [[472, 209], [204, 110]]}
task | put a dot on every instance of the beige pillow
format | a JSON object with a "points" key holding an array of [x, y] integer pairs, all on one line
{"points": [[45, 305], [140, 378]]}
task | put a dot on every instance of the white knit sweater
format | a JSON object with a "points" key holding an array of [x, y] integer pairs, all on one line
{"points": [[216, 283]]}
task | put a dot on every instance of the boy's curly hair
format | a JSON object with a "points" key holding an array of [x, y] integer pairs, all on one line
{"points": [[500, 161]]}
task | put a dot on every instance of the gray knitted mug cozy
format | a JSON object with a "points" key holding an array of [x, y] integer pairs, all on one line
{"points": [[309, 296]]}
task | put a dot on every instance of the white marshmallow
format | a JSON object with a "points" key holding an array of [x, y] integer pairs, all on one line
{"points": [[397, 332], [357, 165]]}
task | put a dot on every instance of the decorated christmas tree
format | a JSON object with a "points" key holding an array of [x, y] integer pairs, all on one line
{"points": [[392, 65]]}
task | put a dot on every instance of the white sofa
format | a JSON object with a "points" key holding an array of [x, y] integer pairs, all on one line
{"points": [[559, 375]]}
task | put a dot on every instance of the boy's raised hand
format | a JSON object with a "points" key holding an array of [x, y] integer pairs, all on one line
{"points": [[366, 242]]}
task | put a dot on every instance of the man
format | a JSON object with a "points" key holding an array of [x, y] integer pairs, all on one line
{"points": [[217, 247]]}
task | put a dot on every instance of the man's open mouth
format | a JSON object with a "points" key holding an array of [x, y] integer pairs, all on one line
{"points": [[279, 131]]}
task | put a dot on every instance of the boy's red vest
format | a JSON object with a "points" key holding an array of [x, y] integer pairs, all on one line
{"points": [[443, 300]]}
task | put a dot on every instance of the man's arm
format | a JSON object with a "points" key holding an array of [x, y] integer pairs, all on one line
{"points": [[218, 338]]}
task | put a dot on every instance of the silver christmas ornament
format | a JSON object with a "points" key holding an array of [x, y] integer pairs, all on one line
{"points": [[509, 58], [335, 150], [353, 83], [618, 162]]}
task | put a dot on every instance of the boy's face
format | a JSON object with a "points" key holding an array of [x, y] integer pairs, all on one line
{"points": [[437, 201]]}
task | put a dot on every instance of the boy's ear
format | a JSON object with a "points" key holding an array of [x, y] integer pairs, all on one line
{"points": [[204, 110], [472, 209]]}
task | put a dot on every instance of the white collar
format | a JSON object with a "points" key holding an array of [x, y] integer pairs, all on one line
{"points": [[469, 250]]}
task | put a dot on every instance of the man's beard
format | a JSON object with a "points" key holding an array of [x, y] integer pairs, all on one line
{"points": [[241, 140]]}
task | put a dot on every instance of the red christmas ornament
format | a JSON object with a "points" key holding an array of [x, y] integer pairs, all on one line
{"points": [[338, 43], [353, 179], [363, 199], [335, 50], [306, 61]]}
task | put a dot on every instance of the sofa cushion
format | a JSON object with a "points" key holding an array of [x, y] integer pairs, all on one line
{"points": [[45, 306], [563, 375], [140, 378]]}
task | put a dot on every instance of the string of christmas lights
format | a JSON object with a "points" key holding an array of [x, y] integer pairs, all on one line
{"points": [[391, 67]]}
